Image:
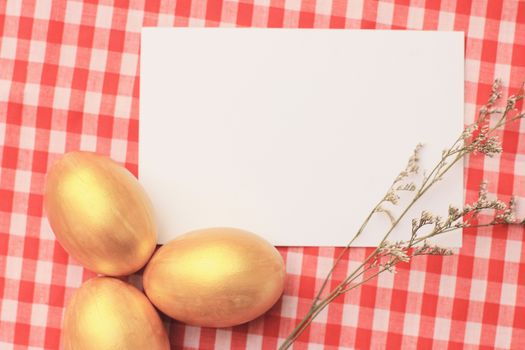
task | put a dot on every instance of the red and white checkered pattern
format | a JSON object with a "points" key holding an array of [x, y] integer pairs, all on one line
{"points": [[69, 80]]}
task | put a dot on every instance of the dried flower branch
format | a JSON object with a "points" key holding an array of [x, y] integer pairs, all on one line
{"points": [[476, 138]]}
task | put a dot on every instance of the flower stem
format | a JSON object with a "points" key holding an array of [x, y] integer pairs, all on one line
{"points": [[481, 143]]}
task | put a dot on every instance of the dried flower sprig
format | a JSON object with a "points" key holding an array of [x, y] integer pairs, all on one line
{"points": [[476, 138]]}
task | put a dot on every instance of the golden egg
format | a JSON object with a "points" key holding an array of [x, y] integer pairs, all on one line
{"points": [[100, 213], [108, 314], [218, 277]]}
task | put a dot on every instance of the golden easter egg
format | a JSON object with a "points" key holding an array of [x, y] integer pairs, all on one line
{"points": [[100, 213], [217, 277], [108, 314]]}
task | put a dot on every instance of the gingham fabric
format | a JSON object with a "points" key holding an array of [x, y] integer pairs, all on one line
{"points": [[69, 80]]}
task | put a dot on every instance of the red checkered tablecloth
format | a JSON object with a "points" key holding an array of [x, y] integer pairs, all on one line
{"points": [[69, 80]]}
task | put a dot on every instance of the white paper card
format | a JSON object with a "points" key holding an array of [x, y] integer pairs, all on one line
{"points": [[295, 134]]}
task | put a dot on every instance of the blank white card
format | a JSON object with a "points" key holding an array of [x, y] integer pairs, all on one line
{"points": [[295, 134]]}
